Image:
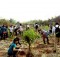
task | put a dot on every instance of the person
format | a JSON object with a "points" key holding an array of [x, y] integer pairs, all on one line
{"points": [[36, 26], [14, 48], [21, 29], [14, 30], [50, 30], [1, 33], [57, 32], [27, 26], [44, 35], [11, 30], [53, 30], [4, 31]]}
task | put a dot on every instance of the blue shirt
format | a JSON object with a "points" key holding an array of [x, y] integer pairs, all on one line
{"points": [[0, 30], [46, 33], [10, 50]]}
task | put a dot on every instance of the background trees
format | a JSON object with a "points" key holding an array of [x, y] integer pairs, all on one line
{"points": [[40, 22]]}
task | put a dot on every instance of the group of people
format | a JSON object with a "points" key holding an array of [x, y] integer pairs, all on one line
{"points": [[55, 30], [14, 30], [14, 47], [6, 31]]}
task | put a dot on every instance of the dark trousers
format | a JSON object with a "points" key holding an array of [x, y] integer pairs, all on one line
{"points": [[1, 35], [4, 36], [44, 40], [13, 55]]}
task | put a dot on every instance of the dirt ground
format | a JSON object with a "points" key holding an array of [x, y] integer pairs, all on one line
{"points": [[38, 48]]}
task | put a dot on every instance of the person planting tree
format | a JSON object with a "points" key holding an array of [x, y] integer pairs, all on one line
{"points": [[14, 48], [44, 35]]}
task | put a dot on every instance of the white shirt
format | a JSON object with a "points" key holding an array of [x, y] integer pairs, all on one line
{"points": [[57, 26], [21, 28], [28, 26], [11, 29], [53, 29]]}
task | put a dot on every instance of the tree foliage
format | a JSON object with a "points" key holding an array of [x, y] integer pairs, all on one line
{"points": [[30, 35], [51, 21], [40, 22], [7, 22]]}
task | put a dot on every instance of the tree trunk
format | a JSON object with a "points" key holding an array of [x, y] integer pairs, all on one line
{"points": [[29, 47], [29, 54]]}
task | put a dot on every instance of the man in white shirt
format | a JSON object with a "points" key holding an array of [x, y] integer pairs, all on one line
{"points": [[27, 26], [53, 30], [11, 30]]}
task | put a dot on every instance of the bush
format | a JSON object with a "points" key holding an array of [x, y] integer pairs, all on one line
{"points": [[30, 35]]}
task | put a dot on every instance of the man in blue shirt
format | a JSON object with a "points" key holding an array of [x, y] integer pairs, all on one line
{"points": [[44, 35], [0, 32]]}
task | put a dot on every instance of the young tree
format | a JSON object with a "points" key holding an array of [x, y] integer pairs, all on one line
{"points": [[29, 36]]}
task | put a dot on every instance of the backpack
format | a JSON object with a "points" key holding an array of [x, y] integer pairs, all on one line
{"points": [[36, 26]]}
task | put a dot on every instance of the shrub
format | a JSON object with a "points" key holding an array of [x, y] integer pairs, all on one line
{"points": [[30, 35]]}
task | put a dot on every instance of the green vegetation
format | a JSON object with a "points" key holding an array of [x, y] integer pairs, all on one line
{"points": [[44, 27], [40, 22], [7, 22], [31, 34]]}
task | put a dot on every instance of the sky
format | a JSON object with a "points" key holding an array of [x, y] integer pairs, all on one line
{"points": [[26, 10]]}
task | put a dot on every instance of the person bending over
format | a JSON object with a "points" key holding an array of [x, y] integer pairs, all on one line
{"points": [[44, 35], [13, 48]]}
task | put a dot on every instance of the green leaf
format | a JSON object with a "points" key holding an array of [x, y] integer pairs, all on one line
{"points": [[31, 34]]}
